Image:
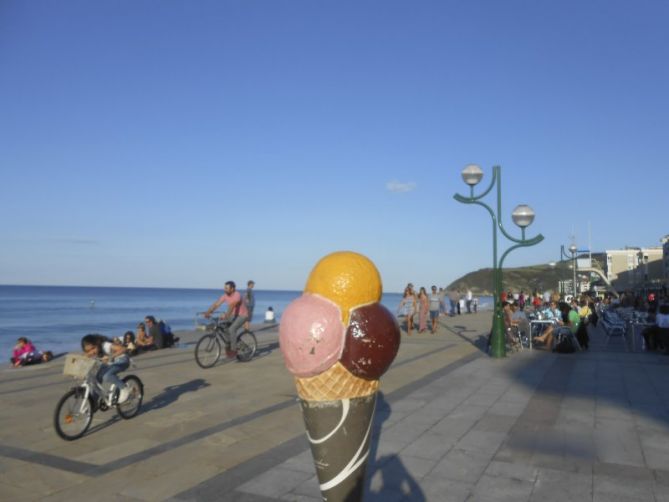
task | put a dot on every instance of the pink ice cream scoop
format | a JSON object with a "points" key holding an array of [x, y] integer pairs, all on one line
{"points": [[311, 335]]}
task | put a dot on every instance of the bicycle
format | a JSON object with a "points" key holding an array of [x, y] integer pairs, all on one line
{"points": [[74, 412], [208, 348]]}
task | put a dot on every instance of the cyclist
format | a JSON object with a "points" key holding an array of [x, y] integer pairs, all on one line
{"points": [[115, 358], [237, 313]]}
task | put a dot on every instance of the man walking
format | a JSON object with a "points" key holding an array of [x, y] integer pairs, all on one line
{"points": [[250, 301], [237, 314], [453, 299]]}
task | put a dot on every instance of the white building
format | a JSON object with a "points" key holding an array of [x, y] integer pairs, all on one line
{"points": [[632, 268], [665, 258]]}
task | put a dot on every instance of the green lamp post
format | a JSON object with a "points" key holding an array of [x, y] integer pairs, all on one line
{"points": [[573, 250], [522, 216]]}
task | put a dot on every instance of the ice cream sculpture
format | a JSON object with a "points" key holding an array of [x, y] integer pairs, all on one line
{"points": [[337, 340]]}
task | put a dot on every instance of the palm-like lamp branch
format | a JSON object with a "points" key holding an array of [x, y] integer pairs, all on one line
{"points": [[523, 216]]}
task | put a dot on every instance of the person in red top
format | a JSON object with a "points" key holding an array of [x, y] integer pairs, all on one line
{"points": [[536, 301], [237, 314]]}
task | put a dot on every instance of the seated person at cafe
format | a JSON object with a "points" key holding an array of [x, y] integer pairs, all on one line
{"points": [[562, 317], [657, 336], [509, 324], [662, 321], [520, 319]]}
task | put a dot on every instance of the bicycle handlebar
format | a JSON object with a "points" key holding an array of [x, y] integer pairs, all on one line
{"points": [[218, 320]]}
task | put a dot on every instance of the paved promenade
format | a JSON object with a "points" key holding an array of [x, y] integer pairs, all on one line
{"points": [[451, 424]]}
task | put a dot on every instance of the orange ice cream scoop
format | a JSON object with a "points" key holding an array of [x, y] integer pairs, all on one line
{"points": [[348, 279]]}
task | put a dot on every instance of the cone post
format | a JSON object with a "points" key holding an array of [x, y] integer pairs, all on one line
{"points": [[339, 434], [337, 340]]}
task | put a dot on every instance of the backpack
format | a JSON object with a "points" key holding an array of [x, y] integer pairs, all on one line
{"points": [[168, 336], [564, 343]]}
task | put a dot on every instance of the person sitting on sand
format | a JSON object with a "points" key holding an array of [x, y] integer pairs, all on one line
{"points": [[154, 331], [143, 340], [21, 350], [25, 353], [160, 332], [129, 343], [269, 315]]}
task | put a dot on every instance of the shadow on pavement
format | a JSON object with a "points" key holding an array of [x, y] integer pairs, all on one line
{"points": [[478, 340], [387, 471], [172, 393], [266, 350], [604, 405], [97, 428]]}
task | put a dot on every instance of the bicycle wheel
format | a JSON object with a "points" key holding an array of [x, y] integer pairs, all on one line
{"points": [[246, 346], [130, 407], [207, 351], [73, 415]]}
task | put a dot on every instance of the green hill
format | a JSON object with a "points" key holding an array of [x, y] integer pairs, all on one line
{"points": [[527, 279]]}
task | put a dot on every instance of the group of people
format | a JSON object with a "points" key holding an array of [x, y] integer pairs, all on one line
{"points": [[571, 317], [656, 306], [578, 313], [150, 335], [25, 354], [432, 305], [153, 335]]}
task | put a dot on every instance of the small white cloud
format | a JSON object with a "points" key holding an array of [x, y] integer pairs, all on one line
{"points": [[399, 187]]}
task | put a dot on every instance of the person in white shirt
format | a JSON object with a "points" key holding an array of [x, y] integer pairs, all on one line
{"points": [[662, 322], [468, 300]]}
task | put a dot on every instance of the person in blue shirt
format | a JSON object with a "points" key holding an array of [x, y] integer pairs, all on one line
{"points": [[553, 313]]}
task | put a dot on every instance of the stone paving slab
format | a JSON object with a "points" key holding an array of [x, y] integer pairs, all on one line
{"points": [[451, 424], [541, 434]]}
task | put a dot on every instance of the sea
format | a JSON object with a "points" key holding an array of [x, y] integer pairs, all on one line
{"points": [[56, 317]]}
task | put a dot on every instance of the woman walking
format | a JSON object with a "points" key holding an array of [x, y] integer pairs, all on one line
{"points": [[423, 302], [407, 308]]}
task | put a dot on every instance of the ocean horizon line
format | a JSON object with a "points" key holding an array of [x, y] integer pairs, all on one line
{"points": [[173, 288]]}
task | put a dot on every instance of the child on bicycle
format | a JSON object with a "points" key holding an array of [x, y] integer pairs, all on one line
{"points": [[115, 358]]}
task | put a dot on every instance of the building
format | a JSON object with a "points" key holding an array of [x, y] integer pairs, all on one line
{"points": [[633, 268], [665, 258]]}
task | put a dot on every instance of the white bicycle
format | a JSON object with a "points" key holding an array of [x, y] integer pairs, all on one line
{"points": [[74, 411]]}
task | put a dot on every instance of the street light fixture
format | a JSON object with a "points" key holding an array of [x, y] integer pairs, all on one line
{"points": [[522, 216], [572, 250], [472, 174], [563, 256]]}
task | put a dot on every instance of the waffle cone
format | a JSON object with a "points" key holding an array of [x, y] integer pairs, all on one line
{"points": [[333, 384]]}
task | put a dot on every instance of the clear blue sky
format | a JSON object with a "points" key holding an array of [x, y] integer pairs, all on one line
{"points": [[184, 143]]}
